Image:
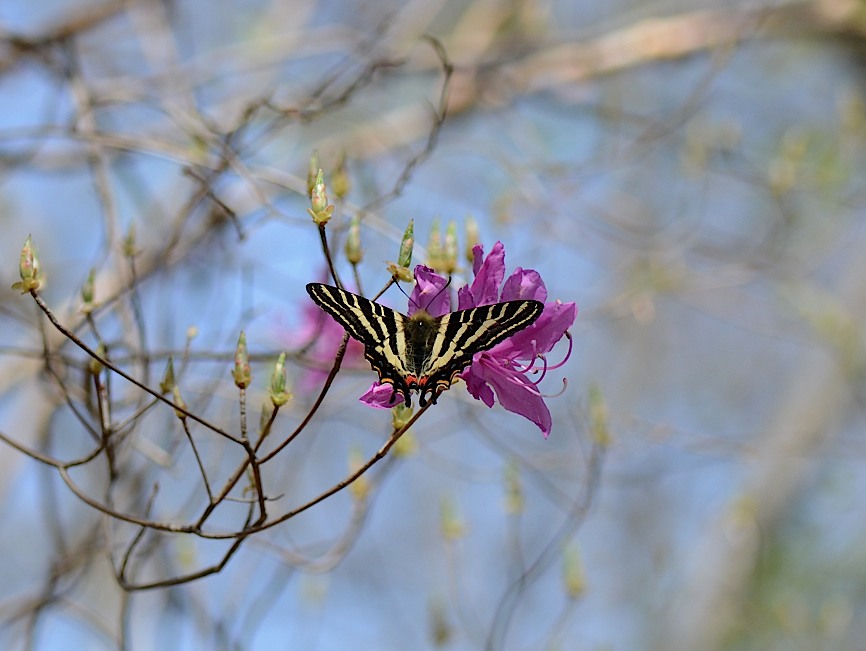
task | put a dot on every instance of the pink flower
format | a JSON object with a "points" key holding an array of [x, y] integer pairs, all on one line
{"points": [[326, 336], [503, 370], [429, 293]]}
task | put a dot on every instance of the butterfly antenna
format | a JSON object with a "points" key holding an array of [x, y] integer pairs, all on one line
{"points": [[444, 287], [430, 301], [403, 291]]}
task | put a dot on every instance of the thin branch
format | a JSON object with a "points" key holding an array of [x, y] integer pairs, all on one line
{"points": [[573, 521], [74, 339], [439, 115]]}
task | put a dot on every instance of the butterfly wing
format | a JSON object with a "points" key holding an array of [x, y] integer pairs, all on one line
{"points": [[379, 328], [464, 333], [458, 337]]}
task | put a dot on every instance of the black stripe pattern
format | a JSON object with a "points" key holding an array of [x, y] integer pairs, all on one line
{"points": [[422, 353]]}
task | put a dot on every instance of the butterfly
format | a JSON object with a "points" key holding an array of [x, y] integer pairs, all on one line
{"points": [[421, 352]]}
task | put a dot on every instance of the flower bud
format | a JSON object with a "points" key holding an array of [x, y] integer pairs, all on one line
{"points": [[340, 180], [28, 268], [312, 172], [277, 391], [598, 417], [450, 523], [96, 365], [87, 292], [472, 238], [441, 630], [400, 415], [130, 243], [354, 253], [573, 575], [400, 269], [406, 445], [449, 250], [404, 259], [168, 382], [320, 211], [178, 400], [242, 373], [265, 416], [514, 499], [434, 246], [359, 488]]}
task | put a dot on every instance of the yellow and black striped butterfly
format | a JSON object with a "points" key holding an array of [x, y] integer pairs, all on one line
{"points": [[421, 352]]}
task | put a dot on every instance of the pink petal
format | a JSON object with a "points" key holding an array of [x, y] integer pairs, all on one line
{"points": [[477, 387], [514, 392], [379, 396], [465, 299], [488, 276], [542, 335], [429, 293], [524, 284], [477, 258]]}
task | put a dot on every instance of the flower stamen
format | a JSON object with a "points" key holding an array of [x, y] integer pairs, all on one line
{"points": [[530, 387], [543, 370], [530, 365], [558, 393], [567, 354]]}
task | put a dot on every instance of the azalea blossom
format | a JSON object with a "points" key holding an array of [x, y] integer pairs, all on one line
{"points": [[503, 371], [326, 336]]}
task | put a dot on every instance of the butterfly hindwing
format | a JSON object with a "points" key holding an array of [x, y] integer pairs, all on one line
{"points": [[422, 353]]}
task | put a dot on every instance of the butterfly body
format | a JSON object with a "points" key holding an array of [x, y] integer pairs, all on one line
{"points": [[420, 330], [421, 352]]}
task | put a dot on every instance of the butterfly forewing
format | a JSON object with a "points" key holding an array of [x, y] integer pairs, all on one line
{"points": [[365, 320], [379, 328], [420, 352]]}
